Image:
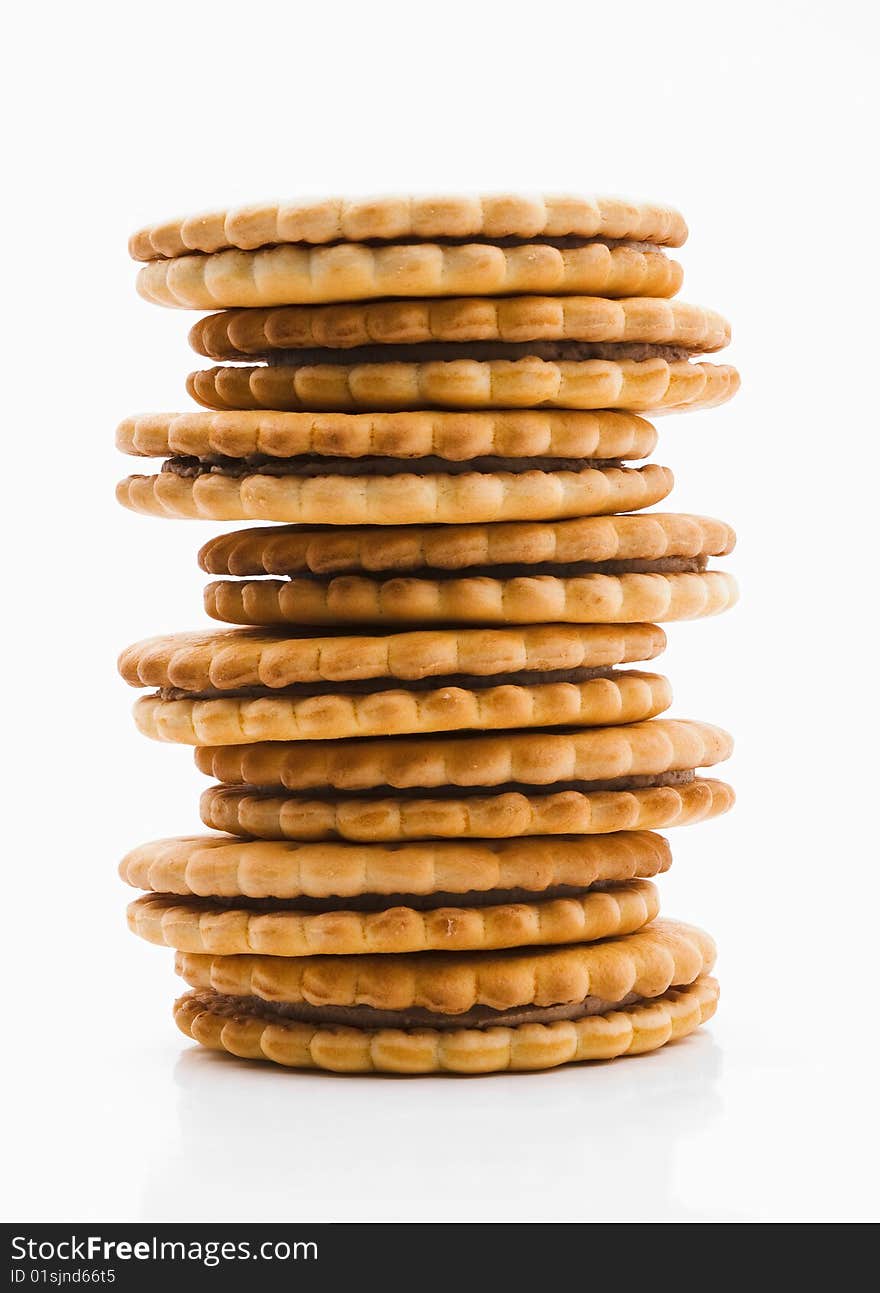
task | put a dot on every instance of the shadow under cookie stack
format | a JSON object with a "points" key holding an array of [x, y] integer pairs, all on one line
{"points": [[437, 788]]}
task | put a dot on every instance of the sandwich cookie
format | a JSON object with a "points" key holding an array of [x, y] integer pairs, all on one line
{"points": [[226, 687], [402, 247], [226, 895], [471, 1013], [574, 352], [231, 896], [589, 570], [222, 894], [392, 468], [591, 782]]}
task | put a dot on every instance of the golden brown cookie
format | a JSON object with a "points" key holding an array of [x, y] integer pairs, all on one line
{"points": [[643, 385], [513, 320], [235, 659], [632, 777], [234, 928], [534, 433], [474, 1012], [229, 1024], [307, 275], [515, 759], [265, 815], [292, 550], [400, 218], [628, 598], [227, 866], [400, 499], [620, 697]]}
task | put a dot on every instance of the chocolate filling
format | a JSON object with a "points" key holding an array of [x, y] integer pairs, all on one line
{"points": [[415, 1016], [560, 570], [430, 352], [385, 901], [310, 465], [675, 777], [564, 242], [504, 570], [366, 686]]}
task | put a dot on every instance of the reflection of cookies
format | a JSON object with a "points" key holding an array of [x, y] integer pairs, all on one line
{"points": [[292, 550], [547, 433], [476, 216], [302, 275], [233, 659], [202, 925], [524, 599], [489, 816], [227, 866], [469, 384], [623, 697], [404, 499], [242, 334], [516, 758]]}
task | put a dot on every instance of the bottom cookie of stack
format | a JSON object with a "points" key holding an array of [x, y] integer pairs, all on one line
{"points": [[450, 1012]]}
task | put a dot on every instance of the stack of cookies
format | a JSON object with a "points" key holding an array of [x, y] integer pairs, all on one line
{"points": [[437, 781]]}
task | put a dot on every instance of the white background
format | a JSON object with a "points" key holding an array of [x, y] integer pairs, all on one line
{"points": [[759, 121]]}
